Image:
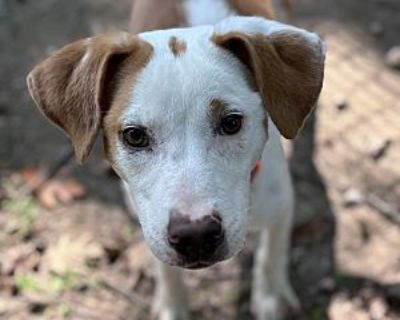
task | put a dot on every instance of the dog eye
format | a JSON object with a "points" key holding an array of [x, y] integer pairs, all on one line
{"points": [[231, 124], [136, 137]]}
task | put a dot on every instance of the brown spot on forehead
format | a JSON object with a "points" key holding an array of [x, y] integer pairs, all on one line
{"points": [[177, 46]]}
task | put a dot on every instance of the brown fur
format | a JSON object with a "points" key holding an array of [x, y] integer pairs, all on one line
{"points": [[178, 47], [74, 87], [287, 72], [148, 15], [217, 107], [125, 81], [262, 8]]}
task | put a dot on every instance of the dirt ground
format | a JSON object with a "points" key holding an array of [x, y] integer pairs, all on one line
{"points": [[87, 260]]}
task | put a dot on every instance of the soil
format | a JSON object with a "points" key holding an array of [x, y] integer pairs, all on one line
{"points": [[87, 260]]}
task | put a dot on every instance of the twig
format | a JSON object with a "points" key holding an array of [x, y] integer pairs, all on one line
{"points": [[134, 299], [382, 206]]}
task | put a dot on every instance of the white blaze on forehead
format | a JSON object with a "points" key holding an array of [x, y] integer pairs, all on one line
{"points": [[170, 86]]}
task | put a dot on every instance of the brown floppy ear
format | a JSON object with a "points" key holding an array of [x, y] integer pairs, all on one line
{"points": [[288, 71], [74, 86]]}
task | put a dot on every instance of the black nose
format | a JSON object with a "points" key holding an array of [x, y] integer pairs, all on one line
{"points": [[198, 239]]}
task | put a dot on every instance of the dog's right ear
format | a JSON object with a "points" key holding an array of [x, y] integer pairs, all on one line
{"points": [[286, 64], [74, 87]]}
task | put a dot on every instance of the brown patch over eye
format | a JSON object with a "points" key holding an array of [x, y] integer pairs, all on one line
{"points": [[178, 47], [218, 107]]}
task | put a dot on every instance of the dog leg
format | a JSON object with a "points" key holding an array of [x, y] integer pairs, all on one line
{"points": [[171, 299], [272, 293]]}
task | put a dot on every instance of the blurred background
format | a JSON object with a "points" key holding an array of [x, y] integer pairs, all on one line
{"points": [[68, 249]]}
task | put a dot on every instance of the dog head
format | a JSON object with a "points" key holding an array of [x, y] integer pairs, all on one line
{"points": [[184, 119]]}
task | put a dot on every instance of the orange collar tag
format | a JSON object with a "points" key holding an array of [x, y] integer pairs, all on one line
{"points": [[256, 169]]}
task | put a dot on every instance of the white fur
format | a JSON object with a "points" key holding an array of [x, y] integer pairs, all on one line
{"points": [[192, 169], [206, 12]]}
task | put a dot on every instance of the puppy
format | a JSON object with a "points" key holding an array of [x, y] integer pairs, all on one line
{"points": [[191, 120]]}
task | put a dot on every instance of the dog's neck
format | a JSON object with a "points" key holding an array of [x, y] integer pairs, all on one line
{"points": [[148, 15]]}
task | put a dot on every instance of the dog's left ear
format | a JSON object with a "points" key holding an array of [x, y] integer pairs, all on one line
{"points": [[287, 65], [74, 87]]}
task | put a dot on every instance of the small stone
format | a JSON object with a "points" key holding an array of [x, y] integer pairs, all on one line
{"points": [[378, 309], [352, 198], [379, 150], [340, 102], [376, 28], [392, 58]]}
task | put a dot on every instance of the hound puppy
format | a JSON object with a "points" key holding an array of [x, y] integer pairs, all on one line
{"points": [[191, 120]]}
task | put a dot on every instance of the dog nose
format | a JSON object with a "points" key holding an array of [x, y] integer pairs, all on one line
{"points": [[195, 239]]}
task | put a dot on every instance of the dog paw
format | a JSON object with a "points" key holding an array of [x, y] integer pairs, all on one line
{"points": [[269, 306]]}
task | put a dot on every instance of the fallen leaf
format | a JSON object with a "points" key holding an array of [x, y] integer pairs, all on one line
{"points": [[140, 261], [54, 191], [71, 254], [19, 259], [8, 305], [57, 191], [139, 257]]}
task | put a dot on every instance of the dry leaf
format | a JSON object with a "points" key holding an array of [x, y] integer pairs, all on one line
{"points": [[139, 256], [71, 254], [59, 189], [139, 260], [19, 259], [9, 305]]}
